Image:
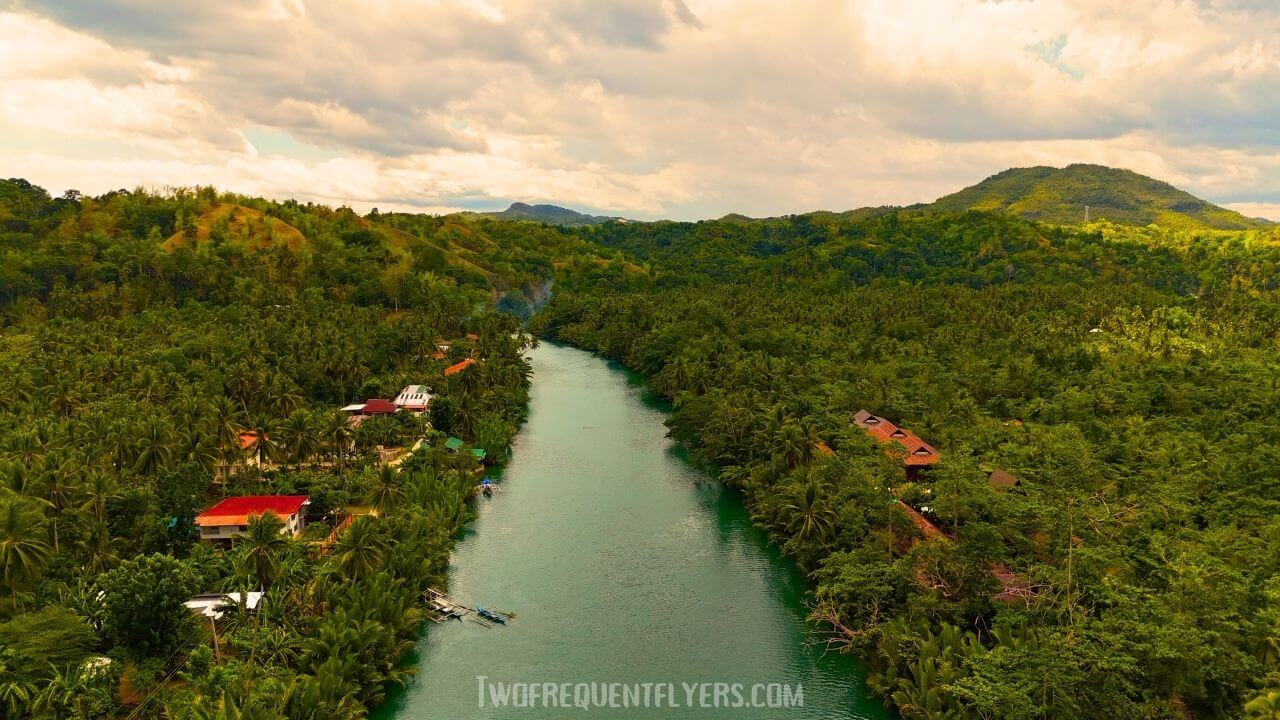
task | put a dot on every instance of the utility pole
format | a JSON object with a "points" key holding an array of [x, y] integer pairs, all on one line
{"points": [[1086, 213], [213, 628]]}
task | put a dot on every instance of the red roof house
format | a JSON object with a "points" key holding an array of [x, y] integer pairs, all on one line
{"points": [[455, 369], [919, 452], [229, 518], [378, 406]]}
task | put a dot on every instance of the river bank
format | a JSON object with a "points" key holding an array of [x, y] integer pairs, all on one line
{"points": [[625, 564]]}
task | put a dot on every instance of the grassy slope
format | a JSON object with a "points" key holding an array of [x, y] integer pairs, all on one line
{"points": [[1059, 195], [244, 223]]}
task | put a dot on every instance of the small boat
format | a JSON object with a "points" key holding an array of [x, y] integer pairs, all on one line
{"points": [[491, 616]]}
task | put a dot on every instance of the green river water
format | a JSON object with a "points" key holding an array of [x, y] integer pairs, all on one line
{"points": [[624, 564]]}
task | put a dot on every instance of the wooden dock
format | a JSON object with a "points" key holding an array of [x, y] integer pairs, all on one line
{"points": [[441, 607]]}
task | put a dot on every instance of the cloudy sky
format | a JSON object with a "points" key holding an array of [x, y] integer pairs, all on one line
{"points": [[646, 108]]}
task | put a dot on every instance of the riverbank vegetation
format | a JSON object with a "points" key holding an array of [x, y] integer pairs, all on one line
{"points": [[146, 336], [1124, 376]]}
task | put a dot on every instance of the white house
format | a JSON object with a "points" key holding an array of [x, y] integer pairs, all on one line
{"points": [[414, 398], [229, 519]]}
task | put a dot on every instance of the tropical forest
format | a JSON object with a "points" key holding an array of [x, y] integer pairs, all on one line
{"points": [[1020, 460]]}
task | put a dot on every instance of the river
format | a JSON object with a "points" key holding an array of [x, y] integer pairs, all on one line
{"points": [[624, 564]]}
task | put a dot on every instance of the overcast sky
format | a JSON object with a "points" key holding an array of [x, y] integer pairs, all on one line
{"points": [[645, 108]]}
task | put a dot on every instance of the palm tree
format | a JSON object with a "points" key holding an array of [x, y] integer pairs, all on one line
{"points": [[200, 446], [1265, 706], [59, 493], [337, 431], [153, 447], [264, 429], [387, 491], [71, 691], [811, 518], [792, 444], [225, 422], [99, 490], [99, 548], [298, 437], [22, 553], [262, 545], [15, 478], [359, 550], [16, 687], [465, 412]]}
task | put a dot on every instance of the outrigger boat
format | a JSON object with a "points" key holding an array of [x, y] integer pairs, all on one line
{"points": [[491, 616]]}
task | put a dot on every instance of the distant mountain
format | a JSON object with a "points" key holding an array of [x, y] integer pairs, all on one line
{"points": [[1059, 195], [550, 214]]}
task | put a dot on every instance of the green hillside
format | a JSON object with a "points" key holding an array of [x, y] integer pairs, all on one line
{"points": [[549, 214], [1059, 195]]}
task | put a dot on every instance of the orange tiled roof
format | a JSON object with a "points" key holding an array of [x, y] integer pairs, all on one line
{"points": [[919, 452], [459, 367], [238, 510]]}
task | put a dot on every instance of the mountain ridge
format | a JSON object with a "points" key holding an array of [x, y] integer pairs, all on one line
{"points": [[550, 214]]}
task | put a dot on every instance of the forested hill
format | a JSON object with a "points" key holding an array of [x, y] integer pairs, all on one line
{"points": [[129, 249], [970, 248], [549, 214], [1059, 195]]}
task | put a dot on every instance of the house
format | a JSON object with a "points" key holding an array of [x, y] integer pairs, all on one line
{"points": [[1002, 480], [414, 398], [215, 605], [459, 367], [920, 454], [373, 406], [229, 519]]}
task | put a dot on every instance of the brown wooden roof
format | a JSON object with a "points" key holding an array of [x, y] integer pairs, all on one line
{"points": [[919, 452], [1002, 479]]}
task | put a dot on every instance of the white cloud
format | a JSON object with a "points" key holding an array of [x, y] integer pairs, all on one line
{"points": [[643, 107]]}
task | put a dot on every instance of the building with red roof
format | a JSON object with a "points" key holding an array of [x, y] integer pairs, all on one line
{"points": [[372, 406], [920, 454], [459, 367], [230, 518], [379, 406]]}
